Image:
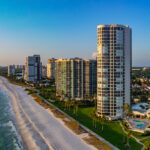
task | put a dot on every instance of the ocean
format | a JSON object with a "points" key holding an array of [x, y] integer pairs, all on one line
{"points": [[9, 136]]}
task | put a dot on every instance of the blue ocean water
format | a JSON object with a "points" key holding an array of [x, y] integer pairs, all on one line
{"points": [[9, 137]]}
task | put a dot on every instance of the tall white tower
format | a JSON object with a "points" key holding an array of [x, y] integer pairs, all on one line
{"points": [[114, 61]]}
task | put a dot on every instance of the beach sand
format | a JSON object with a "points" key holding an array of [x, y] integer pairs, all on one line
{"points": [[39, 128]]}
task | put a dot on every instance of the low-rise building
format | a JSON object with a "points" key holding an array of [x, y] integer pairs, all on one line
{"points": [[141, 110], [145, 68], [139, 113], [148, 113], [136, 100]]}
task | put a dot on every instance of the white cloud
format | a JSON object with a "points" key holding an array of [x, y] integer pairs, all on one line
{"points": [[94, 55]]}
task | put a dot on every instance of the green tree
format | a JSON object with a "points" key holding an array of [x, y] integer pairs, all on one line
{"points": [[103, 119], [147, 145], [94, 117], [143, 98], [128, 137], [69, 104], [127, 109], [66, 105], [95, 96], [75, 108]]}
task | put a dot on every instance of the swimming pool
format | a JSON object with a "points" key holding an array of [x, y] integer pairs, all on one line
{"points": [[140, 124]]}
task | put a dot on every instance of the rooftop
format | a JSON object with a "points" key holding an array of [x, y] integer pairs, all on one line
{"points": [[112, 25]]}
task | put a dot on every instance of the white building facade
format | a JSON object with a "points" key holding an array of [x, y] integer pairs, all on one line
{"points": [[33, 68], [11, 70], [114, 53]]}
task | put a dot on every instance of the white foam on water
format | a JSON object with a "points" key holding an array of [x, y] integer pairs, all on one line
{"points": [[17, 138]]}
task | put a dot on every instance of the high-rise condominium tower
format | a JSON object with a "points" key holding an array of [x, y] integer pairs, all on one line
{"points": [[114, 51], [11, 70], [76, 78], [51, 68], [33, 68]]}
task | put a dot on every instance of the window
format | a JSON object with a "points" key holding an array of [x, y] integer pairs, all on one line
{"points": [[105, 79], [119, 70], [119, 53], [119, 87], [103, 98], [103, 49], [119, 80]]}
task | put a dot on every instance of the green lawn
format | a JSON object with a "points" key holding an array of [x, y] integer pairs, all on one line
{"points": [[51, 89], [112, 130], [146, 140], [138, 135]]}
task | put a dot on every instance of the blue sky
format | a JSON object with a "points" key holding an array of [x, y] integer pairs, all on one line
{"points": [[67, 28]]}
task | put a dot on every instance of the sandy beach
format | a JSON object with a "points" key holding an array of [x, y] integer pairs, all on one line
{"points": [[39, 129]]}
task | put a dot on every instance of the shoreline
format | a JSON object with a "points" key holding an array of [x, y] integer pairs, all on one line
{"points": [[10, 120], [18, 122], [21, 122], [32, 136]]}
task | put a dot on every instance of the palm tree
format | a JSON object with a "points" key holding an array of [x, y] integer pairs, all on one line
{"points": [[62, 103], [91, 98], [147, 145], [128, 137], [124, 140], [62, 94], [95, 96], [69, 104], [74, 103], [66, 104], [94, 117], [103, 119], [75, 108], [127, 109]]}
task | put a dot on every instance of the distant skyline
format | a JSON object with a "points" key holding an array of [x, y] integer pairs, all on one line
{"points": [[68, 28]]}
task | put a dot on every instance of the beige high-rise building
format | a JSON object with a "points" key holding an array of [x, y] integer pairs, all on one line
{"points": [[44, 71], [114, 61], [51, 68], [76, 78]]}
